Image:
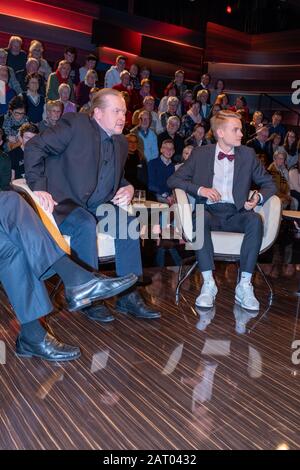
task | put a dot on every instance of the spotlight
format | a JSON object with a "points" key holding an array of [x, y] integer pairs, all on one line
{"points": [[228, 9]]}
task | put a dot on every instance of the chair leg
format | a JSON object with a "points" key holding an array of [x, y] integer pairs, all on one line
{"points": [[271, 294], [55, 290], [182, 278]]}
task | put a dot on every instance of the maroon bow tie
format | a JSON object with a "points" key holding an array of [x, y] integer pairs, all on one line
{"points": [[224, 155]]}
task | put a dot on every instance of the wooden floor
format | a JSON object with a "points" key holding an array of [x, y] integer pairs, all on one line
{"points": [[187, 381]]}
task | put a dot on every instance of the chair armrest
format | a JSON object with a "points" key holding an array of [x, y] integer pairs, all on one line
{"points": [[184, 214]]}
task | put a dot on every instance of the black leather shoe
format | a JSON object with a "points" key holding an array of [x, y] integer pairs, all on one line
{"points": [[101, 287], [133, 303], [99, 312], [50, 349]]}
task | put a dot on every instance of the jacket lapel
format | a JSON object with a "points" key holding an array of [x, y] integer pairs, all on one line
{"points": [[211, 164], [118, 168]]}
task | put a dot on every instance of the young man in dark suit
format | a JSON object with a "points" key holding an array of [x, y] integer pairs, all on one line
{"points": [[75, 168], [221, 176]]}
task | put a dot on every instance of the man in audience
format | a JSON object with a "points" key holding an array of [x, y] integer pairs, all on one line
{"points": [[90, 64], [221, 176], [28, 254], [70, 54], [13, 82], [112, 76], [277, 127], [203, 85], [258, 143], [159, 170], [76, 169], [54, 110], [16, 59]]}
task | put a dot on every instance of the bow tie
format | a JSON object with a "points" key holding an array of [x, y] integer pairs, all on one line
{"points": [[224, 155]]}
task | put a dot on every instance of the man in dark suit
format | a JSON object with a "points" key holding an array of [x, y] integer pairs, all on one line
{"points": [[75, 168], [221, 176], [28, 254]]}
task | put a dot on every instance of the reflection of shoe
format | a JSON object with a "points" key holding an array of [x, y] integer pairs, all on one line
{"points": [[244, 295], [101, 287], [207, 295], [99, 312], [49, 349], [206, 316], [242, 317], [133, 303]]}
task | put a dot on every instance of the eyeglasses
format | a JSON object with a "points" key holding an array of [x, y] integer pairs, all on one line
{"points": [[18, 113]]}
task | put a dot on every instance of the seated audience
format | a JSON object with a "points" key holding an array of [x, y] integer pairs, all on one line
{"points": [[170, 90], [125, 83], [198, 136], [205, 108], [54, 110], [258, 143], [148, 105], [9, 92], [87, 107], [223, 101], [5, 166], [172, 107], [64, 92], [135, 170], [290, 145], [272, 144], [70, 54], [90, 64], [255, 124], [173, 125], [280, 175], [112, 75], [62, 75], [241, 103], [13, 82], [34, 102], [36, 51], [134, 76], [146, 137], [137, 97], [186, 102], [84, 88], [26, 132], [217, 90], [16, 59], [191, 118], [159, 170], [13, 120], [203, 85], [277, 126]]}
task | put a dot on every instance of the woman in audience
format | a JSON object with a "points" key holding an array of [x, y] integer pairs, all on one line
{"points": [[36, 51], [272, 144], [32, 66], [280, 176], [138, 96], [218, 90], [135, 170], [87, 107], [172, 107], [9, 92], [54, 110], [294, 181], [255, 124], [34, 102], [215, 109], [186, 101], [13, 121], [241, 103], [197, 139], [191, 118], [170, 90], [84, 88], [290, 146], [62, 75], [64, 92], [148, 105]]}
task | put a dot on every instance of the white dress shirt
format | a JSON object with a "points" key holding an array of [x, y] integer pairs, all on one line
{"points": [[223, 177]]}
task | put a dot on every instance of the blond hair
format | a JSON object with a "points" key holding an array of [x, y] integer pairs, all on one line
{"points": [[221, 117]]}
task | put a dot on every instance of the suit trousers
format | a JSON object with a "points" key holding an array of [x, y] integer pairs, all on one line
{"points": [[81, 226], [226, 218], [27, 251]]}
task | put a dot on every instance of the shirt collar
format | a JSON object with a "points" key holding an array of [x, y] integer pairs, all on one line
{"points": [[165, 160]]}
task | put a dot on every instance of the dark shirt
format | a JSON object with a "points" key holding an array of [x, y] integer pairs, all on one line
{"points": [[106, 173], [18, 63], [5, 171], [17, 162], [135, 171]]}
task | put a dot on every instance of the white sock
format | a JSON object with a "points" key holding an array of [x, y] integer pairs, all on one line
{"points": [[207, 276], [245, 278]]}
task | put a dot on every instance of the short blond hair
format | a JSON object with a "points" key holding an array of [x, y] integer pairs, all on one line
{"points": [[221, 117]]}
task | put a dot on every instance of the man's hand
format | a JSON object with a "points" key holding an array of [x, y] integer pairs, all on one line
{"points": [[249, 205], [210, 193], [46, 200], [123, 196]]}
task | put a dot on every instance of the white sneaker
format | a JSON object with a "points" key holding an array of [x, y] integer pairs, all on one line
{"points": [[207, 295], [244, 295]]}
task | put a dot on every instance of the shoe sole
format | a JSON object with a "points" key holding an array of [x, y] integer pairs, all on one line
{"points": [[88, 301], [125, 310], [29, 355], [253, 309]]}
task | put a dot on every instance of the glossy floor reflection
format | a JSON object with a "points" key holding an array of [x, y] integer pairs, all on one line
{"points": [[216, 379]]}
